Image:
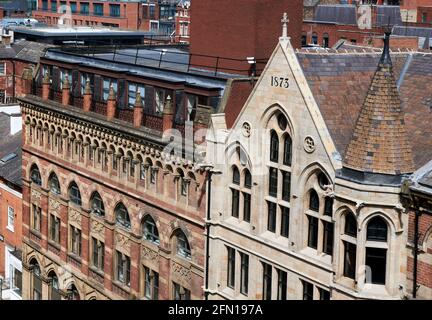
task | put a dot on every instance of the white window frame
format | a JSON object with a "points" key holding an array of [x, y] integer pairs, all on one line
{"points": [[11, 219], [4, 68]]}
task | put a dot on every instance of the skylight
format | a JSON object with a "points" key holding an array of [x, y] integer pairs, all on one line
{"points": [[7, 158]]}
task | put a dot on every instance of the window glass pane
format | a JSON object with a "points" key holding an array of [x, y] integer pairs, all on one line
{"points": [[377, 229], [273, 182], [231, 268], [349, 259], [246, 206], [287, 151], [286, 186], [350, 225], [313, 201], [313, 232], [376, 265], [282, 285], [267, 281], [285, 212], [328, 238], [274, 146], [244, 274], [271, 220], [235, 203], [307, 291]]}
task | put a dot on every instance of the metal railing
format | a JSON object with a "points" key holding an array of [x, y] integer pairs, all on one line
{"points": [[165, 58]]}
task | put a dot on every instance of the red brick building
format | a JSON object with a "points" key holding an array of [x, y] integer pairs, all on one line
{"points": [[240, 29], [417, 193], [10, 202], [182, 22], [109, 212], [134, 15], [332, 23], [18, 62]]}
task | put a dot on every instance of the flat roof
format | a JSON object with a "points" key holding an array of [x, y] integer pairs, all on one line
{"points": [[80, 31], [168, 63]]}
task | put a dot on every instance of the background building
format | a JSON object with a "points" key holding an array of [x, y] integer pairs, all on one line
{"points": [[10, 202]]}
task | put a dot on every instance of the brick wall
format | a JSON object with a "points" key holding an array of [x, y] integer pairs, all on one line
{"points": [[424, 268], [12, 237], [242, 28]]}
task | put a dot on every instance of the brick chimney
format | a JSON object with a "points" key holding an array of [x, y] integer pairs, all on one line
{"points": [[46, 84], [138, 110], [87, 97], [66, 91], [111, 104], [168, 115], [26, 80]]}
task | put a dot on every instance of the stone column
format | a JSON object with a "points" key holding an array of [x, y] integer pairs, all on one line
{"points": [[85, 232], [135, 254], [168, 116], [46, 85], [87, 97], [109, 254], [138, 110], [66, 91], [111, 104]]}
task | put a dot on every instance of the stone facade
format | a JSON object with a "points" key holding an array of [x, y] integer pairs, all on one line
{"points": [[309, 253]]}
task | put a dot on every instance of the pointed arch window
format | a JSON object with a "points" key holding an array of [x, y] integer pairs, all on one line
{"points": [[150, 231], [350, 225], [75, 194], [54, 184], [35, 175], [313, 201], [37, 281], [54, 286], [328, 206], [122, 216], [183, 247], [274, 146], [236, 175], [377, 229], [97, 205], [287, 150]]}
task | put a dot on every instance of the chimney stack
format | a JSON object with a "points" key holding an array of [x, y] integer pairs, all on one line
{"points": [[6, 39], [66, 90], [168, 115], [111, 104], [46, 84], [87, 97], [138, 110], [27, 78]]}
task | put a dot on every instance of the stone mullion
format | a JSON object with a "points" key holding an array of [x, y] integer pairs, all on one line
{"points": [[44, 220], [26, 127], [46, 133], [85, 240], [109, 161], [135, 254], [109, 267], [164, 274], [64, 231], [85, 155], [77, 147], [63, 144], [136, 175]]}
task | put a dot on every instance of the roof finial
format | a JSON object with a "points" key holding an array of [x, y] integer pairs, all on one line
{"points": [[285, 21], [385, 58]]}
